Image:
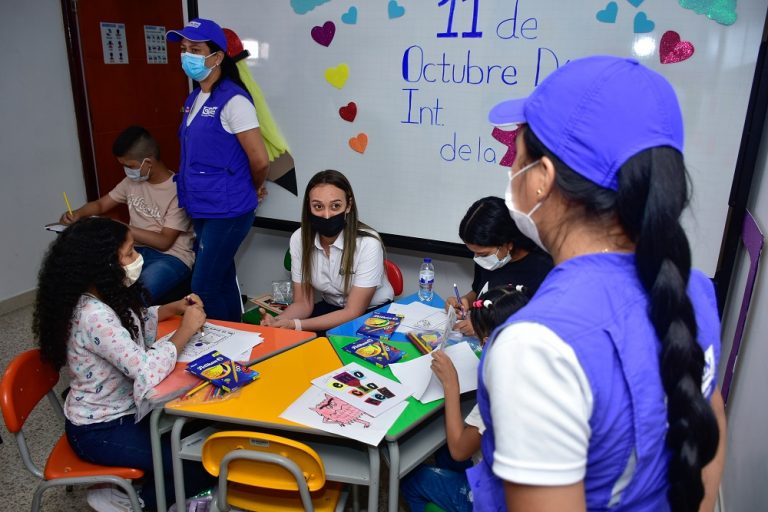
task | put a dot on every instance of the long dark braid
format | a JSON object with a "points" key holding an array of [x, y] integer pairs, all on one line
{"points": [[652, 195], [83, 258], [653, 191]]}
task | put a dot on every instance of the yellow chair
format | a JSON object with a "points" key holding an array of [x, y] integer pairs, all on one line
{"points": [[268, 473]]}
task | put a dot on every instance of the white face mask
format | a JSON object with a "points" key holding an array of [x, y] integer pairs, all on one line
{"points": [[133, 270], [492, 261], [135, 174], [524, 222]]}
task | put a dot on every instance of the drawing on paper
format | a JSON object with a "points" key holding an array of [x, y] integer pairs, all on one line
{"points": [[334, 410]]}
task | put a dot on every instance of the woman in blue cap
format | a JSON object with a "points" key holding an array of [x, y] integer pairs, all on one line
{"points": [[602, 392], [223, 163]]}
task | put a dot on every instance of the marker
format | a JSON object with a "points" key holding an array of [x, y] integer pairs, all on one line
{"points": [[66, 200], [458, 299]]}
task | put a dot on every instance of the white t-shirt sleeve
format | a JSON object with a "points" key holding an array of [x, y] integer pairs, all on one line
{"points": [[295, 249], [239, 115], [541, 403], [474, 419], [369, 262]]}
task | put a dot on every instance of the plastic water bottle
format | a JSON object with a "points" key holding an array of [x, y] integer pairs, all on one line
{"points": [[426, 280]]}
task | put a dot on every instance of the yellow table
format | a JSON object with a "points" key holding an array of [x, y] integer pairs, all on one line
{"points": [[283, 379], [275, 342]]}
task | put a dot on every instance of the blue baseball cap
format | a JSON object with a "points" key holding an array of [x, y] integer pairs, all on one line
{"points": [[596, 113], [200, 30]]}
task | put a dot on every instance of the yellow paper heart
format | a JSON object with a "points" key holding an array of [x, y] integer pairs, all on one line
{"points": [[337, 76]]}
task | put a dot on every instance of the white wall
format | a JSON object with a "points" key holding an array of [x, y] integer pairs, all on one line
{"points": [[39, 151], [746, 467]]}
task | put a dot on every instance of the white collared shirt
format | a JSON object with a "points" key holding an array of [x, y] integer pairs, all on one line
{"points": [[367, 268]]}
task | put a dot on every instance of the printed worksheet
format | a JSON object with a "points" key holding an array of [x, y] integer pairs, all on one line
{"points": [[329, 413], [419, 317], [233, 343]]}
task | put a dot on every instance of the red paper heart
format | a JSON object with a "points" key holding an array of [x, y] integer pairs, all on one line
{"points": [[673, 50], [349, 112]]}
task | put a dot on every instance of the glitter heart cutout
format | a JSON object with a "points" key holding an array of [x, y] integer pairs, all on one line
{"points": [[673, 50], [359, 143], [324, 35], [608, 15], [348, 112]]}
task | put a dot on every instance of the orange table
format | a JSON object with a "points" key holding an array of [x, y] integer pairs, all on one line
{"points": [[282, 380], [275, 342]]}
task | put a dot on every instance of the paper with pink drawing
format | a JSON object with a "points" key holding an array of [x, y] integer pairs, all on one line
{"points": [[363, 388], [324, 411]]}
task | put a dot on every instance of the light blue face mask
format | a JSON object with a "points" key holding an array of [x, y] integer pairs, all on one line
{"points": [[194, 66], [135, 174]]}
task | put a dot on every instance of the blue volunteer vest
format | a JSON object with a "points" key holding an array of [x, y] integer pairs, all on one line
{"points": [[214, 179], [597, 305]]}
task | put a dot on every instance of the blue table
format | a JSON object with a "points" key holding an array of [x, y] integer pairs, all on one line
{"points": [[350, 328]]}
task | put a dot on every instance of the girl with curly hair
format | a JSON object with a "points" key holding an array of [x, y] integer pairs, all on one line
{"points": [[90, 317]]}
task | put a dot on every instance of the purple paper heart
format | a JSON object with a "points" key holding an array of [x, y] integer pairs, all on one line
{"points": [[324, 35]]}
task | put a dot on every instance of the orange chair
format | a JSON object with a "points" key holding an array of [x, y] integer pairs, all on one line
{"points": [[25, 382], [395, 276]]}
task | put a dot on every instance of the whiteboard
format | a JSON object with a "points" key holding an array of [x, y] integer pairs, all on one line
{"points": [[430, 153]]}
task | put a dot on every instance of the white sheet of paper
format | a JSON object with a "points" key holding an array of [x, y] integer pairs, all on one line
{"points": [[323, 411], [417, 375], [56, 228], [230, 342], [363, 388], [418, 316]]}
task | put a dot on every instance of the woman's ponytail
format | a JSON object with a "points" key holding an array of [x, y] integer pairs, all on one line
{"points": [[652, 195]]}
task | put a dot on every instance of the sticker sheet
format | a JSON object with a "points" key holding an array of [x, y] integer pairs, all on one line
{"points": [[363, 388]]}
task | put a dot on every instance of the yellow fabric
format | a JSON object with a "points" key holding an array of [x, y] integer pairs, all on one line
{"points": [[273, 138]]}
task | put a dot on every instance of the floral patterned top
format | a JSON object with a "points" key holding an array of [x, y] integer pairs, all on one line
{"points": [[110, 372]]}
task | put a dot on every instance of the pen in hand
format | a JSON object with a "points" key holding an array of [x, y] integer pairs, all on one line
{"points": [[458, 300]]}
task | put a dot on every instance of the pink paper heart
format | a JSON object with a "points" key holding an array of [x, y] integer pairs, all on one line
{"points": [[673, 50], [324, 35]]}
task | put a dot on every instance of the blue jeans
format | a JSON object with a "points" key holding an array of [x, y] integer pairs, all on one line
{"points": [[214, 275], [445, 485], [123, 442], [161, 272]]}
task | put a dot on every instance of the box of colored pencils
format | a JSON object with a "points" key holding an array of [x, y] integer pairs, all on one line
{"points": [[425, 341], [375, 351], [221, 371]]}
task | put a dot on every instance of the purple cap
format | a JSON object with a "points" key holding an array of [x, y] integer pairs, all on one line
{"points": [[200, 30], [596, 113]]}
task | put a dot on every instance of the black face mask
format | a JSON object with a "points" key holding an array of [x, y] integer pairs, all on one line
{"points": [[331, 226]]}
